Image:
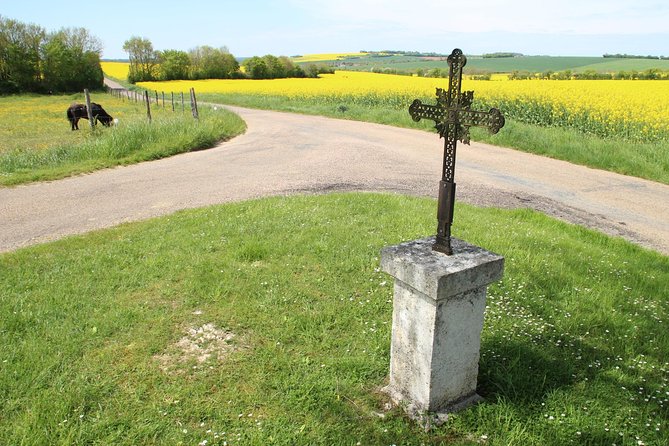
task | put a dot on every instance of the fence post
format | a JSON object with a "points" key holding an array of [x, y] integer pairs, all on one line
{"points": [[88, 108], [163, 100], [148, 105], [172, 101], [156, 97], [182, 102], [193, 104]]}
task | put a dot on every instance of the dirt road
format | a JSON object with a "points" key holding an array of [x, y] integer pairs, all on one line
{"points": [[285, 153]]}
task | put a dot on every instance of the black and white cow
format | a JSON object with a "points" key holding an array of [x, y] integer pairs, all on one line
{"points": [[78, 111]]}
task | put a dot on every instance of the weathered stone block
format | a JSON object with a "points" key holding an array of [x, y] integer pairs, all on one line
{"points": [[438, 309]]}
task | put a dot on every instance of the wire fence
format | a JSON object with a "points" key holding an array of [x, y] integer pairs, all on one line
{"points": [[157, 99]]}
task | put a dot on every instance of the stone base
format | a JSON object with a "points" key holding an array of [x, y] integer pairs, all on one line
{"points": [[428, 419], [438, 309]]}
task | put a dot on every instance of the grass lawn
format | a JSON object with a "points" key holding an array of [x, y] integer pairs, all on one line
{"points": [[36, 142], [268, 322]]}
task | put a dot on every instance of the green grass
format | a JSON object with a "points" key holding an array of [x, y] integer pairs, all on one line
{"points": [[37, 143], [643, 160], [574, 347]]}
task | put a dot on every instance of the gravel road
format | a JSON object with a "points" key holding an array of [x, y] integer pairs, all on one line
{"points": [[283, 153]]}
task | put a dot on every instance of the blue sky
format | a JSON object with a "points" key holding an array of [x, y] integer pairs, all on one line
{"points": [[291, 27]]}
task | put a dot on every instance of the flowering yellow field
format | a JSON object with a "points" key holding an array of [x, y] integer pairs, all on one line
{"points": [[324, 57], [119, 70], [633, 109]]}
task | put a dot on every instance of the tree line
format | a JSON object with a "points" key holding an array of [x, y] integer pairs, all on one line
{"points": [[501, 55], [34, 60], [632, 56], [649, 74], [206, 62], [388, 53]]}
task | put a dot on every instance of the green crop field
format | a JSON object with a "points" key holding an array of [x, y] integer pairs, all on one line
{"points": [[531, 63], [500, 65], [612, 65]]}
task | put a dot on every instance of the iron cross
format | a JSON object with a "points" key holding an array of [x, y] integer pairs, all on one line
{"points": [[453, 116]]}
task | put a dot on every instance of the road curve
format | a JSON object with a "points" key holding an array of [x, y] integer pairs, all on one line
{"points": [[283, 153]]}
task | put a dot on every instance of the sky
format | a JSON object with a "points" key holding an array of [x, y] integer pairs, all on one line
{"points": [[294, 27]]}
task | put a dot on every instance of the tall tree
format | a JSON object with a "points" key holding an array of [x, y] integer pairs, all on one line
{"points": [[256, 68], [143, 59], [174, 65], [212, 63], [271, 67], [275, 69], [33, 61], [19, 56], [71, 61], [290, 69]]}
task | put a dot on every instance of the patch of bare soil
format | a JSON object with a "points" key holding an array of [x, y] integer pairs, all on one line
{"points": [[196, 347]]}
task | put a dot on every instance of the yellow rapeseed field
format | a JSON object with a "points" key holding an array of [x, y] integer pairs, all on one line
{"points": [[324, 57], [118, 70], [620, 108], [637, 109]]}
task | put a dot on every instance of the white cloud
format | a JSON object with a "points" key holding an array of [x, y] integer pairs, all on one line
{"points": [[522, 16]]}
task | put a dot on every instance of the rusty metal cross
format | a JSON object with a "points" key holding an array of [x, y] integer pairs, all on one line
{"points": [[453, 117]]}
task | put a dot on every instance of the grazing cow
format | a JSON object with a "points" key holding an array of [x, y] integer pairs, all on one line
{"points": [[78, 111]]}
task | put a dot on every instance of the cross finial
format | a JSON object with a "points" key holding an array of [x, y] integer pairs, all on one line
{"points": [[453, 117]]}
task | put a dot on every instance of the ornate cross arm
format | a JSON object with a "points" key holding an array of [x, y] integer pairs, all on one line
{"points": [[419, 111], [436, 113], [493, 120]]}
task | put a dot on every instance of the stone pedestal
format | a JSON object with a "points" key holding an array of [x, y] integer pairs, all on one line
{"points": [[438, 310]]}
